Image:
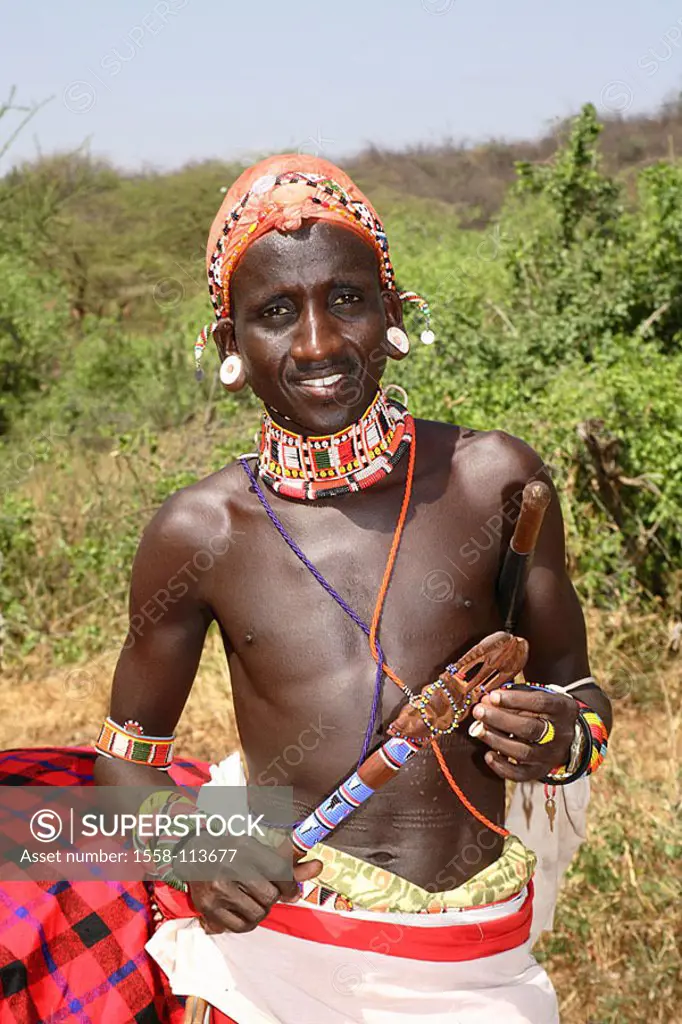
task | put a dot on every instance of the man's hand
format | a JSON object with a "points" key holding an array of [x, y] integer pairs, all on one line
{"points": [[228, 905], [514, 720]]}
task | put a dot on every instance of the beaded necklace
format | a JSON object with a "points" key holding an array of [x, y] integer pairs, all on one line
{"points": [[326, 466]]}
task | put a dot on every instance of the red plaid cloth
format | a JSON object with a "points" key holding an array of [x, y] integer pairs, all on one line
{"points": [[74, 952]]}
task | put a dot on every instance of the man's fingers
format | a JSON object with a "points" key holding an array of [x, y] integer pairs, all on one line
{"points": [[515, 772], [307, 870], [524, 725], [263, 892], [541, 702], [234, 908], [219, 919], [526, 753], [228, 905], [246, 906], [302, 873]]}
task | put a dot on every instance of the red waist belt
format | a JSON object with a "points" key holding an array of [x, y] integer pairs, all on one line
{"points": [[449, 944]]}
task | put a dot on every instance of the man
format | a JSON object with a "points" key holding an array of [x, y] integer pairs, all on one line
{"points": [[307, 314]]}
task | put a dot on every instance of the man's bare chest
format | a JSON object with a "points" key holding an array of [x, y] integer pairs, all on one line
{"points": [[441, 591]]}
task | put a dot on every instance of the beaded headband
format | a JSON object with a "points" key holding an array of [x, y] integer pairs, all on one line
{"points": [[281, 202]]}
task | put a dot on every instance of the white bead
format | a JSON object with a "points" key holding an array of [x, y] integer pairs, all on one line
{"points": [[263, 184], [428, 337]]}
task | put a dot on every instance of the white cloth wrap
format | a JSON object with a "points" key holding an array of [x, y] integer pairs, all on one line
{"points": [[265, 977]]}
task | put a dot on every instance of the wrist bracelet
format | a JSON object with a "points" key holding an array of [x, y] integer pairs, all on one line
{"points": [[596, 743], [599, 736], [127, 742], [577, 751], [594, 732], [563, 776]]}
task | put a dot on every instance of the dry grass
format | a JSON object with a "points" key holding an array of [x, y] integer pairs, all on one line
{"points": [[65, 706], [615, 953]]}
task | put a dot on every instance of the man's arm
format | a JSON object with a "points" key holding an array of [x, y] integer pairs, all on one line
{"points": [[169, 617], [552, 621], [551, 617]]}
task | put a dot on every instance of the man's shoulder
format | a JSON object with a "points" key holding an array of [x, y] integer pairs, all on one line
{"points": [[498, 452], [493, 460], [195, 514]]}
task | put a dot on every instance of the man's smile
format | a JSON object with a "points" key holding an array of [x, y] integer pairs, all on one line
{"points": [[322, 382]]}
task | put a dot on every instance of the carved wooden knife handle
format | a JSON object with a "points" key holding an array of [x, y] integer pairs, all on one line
{"points": [[497, 659]]}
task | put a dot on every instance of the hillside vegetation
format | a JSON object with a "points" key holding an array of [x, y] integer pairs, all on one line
{"points": [[554, 271], [561, 322]]}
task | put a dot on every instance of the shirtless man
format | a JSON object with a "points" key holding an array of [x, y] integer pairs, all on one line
{"points": [[306, 304]]}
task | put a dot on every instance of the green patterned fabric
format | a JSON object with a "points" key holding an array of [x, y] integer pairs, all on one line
{"points": [[368, 887]]}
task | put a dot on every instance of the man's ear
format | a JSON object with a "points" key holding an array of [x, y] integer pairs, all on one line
{"points": [[393, 308], [224, 338]]}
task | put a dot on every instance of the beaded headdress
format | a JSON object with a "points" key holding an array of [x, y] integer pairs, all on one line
{"points": [[278, 194]]}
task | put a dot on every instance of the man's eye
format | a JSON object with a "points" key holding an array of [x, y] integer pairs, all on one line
{"points": [[277, 310], [345, 299]]}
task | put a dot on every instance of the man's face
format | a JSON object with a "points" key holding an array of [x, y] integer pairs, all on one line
{"points": [[309, 319]]}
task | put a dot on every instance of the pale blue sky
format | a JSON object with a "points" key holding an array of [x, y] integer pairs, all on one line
{"points": [[162, 82]]}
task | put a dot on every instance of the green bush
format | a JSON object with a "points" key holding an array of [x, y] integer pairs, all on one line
{"points": [[33, 322], [561, 325], [560, 322]]}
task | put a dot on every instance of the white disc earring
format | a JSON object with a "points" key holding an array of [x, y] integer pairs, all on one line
{"points": [[398, 341], [232, 374]]}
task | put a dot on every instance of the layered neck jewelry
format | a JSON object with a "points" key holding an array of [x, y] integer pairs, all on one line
{"points": [[351, 460]]}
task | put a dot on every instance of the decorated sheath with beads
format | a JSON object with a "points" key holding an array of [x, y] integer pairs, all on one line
{"points": [[442, 706], [358, 787], [438, 709]]}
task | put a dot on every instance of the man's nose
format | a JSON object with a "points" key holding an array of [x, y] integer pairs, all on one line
{"points": [[314, 337]]}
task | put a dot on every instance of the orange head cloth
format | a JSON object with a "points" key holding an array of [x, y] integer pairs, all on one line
{"points": [[278, 194]]}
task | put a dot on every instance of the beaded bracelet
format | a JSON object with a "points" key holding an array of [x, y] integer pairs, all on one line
{"points": [[562, 775], [599, 736], [128, 743]]}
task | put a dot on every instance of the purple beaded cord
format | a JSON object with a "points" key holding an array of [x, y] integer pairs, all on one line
{"points": [[332, 593]]}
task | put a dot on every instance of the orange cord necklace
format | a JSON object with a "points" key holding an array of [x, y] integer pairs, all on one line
{"points": [[383, 590]]}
